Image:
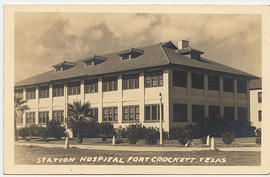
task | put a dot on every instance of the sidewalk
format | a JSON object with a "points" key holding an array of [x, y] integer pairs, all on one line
{"points": [[135, 148]]}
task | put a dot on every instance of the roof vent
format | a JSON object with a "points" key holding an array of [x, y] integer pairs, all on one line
{"points": [[63, 66], [94, 60], [130, 53], [185, 49]]}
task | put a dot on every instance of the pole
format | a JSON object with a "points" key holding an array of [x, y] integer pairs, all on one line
{"points": [[160, 119]]}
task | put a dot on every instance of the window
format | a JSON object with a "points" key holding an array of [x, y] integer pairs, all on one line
{"points": [[19, 93], [152, 112], [131, 113], [180, 113], [91, 86], [197, 80], [197, 113], [241, 86], [213, 82], [110, 114], [130, 81], [109, 84], [214, 111], [228, 113], [259, 97], [58, 115], [242, 114], [228, 85], [154, 79], [94, 113], [44, 92], [30, 118], [30, 93], [74, 88], [58, 90], [43, 117], [179, 78]]}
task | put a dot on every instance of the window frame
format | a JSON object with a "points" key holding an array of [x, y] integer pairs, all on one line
{"points": [[246, 112], [30, 118], [240, 87], [58, 90], [109, 84], [74, 88], [19, 93], [30, 93], [91, 86], [153, 77], [94, 113], [227, 108], [43, 91], [227, 81], [212, 83], [193, 107], [197, 84], [114, 114], [179, 81], [58, 115], [43, 117], [174, 113], [157, 107], [126, 116], [128, 79], [260, 115]]}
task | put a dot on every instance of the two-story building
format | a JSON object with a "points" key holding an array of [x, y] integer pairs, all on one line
{"points": [[125, 88]]}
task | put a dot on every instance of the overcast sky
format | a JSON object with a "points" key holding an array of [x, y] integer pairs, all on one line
{"points": [[44, 39]]}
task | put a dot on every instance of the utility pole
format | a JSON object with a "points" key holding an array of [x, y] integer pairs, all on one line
{"points": [[160, 119]]}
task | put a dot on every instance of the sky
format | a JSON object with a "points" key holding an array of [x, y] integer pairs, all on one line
{"points": [[44, 39]]}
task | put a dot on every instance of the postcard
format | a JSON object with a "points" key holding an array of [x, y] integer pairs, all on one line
{"points": [[136, 89]]}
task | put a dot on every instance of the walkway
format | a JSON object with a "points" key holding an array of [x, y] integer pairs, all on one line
{"points": [[136, 148]]}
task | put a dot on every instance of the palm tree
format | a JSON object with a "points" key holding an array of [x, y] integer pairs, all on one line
{"points": [[19, 108], [78, 114]]}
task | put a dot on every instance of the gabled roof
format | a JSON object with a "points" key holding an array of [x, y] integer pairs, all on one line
{"points": [[160, 54]]}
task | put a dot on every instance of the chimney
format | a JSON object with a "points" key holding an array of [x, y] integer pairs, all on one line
{"points": [[183, 44]]}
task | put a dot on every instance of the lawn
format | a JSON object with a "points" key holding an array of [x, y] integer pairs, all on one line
{"points": [[35, 155], [239, 142]]}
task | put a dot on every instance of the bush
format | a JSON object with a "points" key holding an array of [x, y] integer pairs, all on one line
{"points": [[105, 130], [228, 138], [120, 134], [135, 132], [183, 134], [55, 129], [43, 133], [165, 135], [23, 132], [151, 135], [258, 140], [33, 130]]}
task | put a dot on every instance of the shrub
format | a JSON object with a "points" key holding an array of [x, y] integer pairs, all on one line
{"points": [[33, 130], [242, 128], [135, 132], [105, 130], [183, 134], [165, 135], [228, 138], [120, 134], [43, 133], [151, 135], [55, 129], [258, 140], [23, 132]]}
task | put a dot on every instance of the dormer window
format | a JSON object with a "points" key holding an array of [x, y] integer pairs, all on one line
{"points": [[185, 49], [63, 66], [95, 60], [130, 53]]}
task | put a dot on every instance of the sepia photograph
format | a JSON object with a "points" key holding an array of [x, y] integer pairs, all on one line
{"points": [[156, 89]]}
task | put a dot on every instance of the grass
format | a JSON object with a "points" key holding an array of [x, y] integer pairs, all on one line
{"points": [[239, 142], [33, 155]]}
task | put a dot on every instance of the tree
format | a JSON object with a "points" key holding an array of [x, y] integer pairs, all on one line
{"points": [[78, 118], [19, 108]]}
